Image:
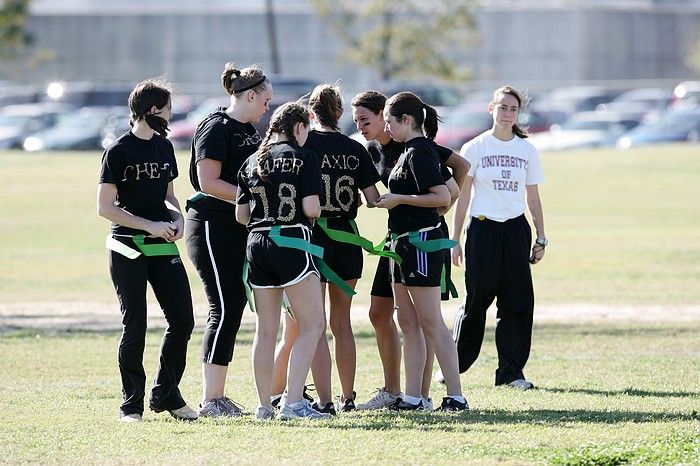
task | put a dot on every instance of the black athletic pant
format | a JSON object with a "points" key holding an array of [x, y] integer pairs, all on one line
{"points": [[217, 250], [497, 267], [168, 279]]}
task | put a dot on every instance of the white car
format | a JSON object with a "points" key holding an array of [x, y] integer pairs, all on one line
{"points": [[586, 129]]}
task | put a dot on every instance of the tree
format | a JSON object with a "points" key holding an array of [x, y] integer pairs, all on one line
{"points": [[14, 40], [693, 59], [410, 38]]}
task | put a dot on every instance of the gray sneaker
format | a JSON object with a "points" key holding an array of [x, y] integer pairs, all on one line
{"points": [[300, 410], [219, 407], [521, 384], [381, 400], [265, 413]]}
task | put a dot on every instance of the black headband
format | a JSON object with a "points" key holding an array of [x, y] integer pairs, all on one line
{"points": [[247, 88]]}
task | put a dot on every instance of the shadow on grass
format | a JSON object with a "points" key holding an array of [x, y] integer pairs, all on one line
{"points": [[625, 391], [462, 421]]}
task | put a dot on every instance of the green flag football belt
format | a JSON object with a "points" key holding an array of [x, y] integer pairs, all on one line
{"points": [[357, 240], [275, 234], [148, 250], [198, 196], [431, 245]]}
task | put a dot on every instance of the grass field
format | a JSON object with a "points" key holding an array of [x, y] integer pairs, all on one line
{"points": [[624, 230], [608, 394]]}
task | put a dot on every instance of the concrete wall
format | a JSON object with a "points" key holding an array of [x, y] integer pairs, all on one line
{"points": [[534, 44]]}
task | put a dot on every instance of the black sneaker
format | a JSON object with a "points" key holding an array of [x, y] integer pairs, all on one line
{"points": [[329, 408], [449, 404], [400, 405], [276, 402], [305, 395], [345, 406]]}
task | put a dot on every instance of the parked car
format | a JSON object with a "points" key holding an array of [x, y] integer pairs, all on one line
{"points": [[676, 124], [20, 121], [647, 101], [14, 94], [586, 129], [469, 120], [80, 130], [570, 100], [113, 129], [463, 124], [687, 93], [89, 94]]}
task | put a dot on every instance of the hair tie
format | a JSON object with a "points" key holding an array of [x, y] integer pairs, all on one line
{"points": [[236, 72], [238, 91]]}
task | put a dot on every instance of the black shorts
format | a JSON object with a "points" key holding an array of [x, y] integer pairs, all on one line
{"points": [[346, 260], [418, 268], [382, 285], [272, 266]]}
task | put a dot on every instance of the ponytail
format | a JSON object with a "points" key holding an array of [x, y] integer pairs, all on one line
{"points": [[236, 81], [430, 124], [425, 117], [327, 105], [283, 120]]}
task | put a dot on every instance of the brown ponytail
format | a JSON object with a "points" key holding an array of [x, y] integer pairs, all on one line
{"points": [[235, 81], [283, 120], [327, 105], [425, 117]]}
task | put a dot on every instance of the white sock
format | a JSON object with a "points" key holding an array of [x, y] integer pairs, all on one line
{"points": [[459, 398], [274, 398], [411, 399]]}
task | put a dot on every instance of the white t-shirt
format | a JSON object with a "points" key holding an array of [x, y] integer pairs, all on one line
{"points": [[501, 170]]}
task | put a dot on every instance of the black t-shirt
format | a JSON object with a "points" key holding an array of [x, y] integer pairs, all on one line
{"points": [[346, 167], [220, 137], [385, 157], [416, 171], [141, 169], [294, 175]]}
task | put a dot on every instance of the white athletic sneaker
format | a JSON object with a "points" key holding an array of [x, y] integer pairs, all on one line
{"points": [[131, 418], [265, 413], [521, 384], [427, 404], [300, 410], [382, 399], [184, 414], [439, 378]]}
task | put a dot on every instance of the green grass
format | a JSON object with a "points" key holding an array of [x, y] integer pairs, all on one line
{"points": [[623, 226], [59, 398]]}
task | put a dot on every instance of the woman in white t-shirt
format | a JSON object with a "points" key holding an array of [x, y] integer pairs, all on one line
{"points": [[504, 173]]}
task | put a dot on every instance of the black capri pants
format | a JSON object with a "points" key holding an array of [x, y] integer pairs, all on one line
{"points": [[216, 247]]}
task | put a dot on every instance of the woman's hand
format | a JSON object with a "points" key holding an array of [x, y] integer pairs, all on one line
{"points": [[165, 230], [537, 253], [457, 255], [179, 228], [388, 201]]}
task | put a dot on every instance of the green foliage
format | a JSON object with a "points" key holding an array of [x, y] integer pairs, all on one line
{"points": [[13, 37], [693, 59], [409, 38]]}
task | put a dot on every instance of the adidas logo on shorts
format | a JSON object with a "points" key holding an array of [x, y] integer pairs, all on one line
{"points": [[176, 260], [412, 275]]}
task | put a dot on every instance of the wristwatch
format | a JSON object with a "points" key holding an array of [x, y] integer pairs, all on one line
{"points": [[542, 242]]}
